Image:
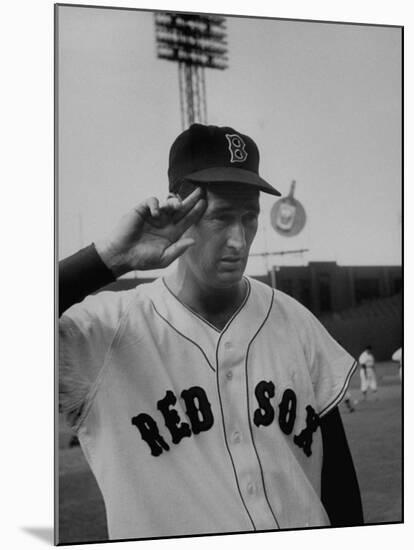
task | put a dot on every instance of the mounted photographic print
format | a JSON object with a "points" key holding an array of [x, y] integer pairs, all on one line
{"points": [[229, 240]]}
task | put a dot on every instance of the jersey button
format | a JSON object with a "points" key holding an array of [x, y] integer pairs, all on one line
{"points": [[229, 375], [236, 437], [228, 345], [251, 489]]}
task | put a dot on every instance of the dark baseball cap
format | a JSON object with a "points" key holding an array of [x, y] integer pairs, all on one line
{"points": [[214, 154]]}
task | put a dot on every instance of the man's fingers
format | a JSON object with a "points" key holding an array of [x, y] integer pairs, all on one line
{"points": [[153, 206], [165, 215], [171, 204], [191, 217], [175, 250], [149, 206], [188, 203]]}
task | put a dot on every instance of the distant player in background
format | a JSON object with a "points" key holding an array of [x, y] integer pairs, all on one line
{"points": [[367, 372], [397, 356], [348, 402]]}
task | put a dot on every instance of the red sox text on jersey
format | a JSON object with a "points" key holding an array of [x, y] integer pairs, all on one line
{"points": [[198, 410]]}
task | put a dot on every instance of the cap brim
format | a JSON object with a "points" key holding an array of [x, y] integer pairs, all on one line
{"points": [[232, 175]]}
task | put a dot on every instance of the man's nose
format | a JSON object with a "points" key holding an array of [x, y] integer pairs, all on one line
{"points": [[236, 237]]}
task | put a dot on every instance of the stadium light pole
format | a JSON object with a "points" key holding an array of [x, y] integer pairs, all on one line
{"points": [[195, 43]]}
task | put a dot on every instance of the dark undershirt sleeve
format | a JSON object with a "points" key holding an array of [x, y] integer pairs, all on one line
{"points": [[340, 489], [81, 274]]}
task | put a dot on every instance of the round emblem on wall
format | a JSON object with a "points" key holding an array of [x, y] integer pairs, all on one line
{"points": [[288, 217]]}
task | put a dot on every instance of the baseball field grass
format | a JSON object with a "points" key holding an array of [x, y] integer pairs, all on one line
{"points": [[374, 432]]}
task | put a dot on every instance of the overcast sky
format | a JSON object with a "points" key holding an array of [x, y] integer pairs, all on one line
{"points": [[322, 101]]}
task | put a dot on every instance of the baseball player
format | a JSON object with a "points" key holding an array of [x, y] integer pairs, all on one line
{"points": [[397, 357], [205, 401], [367, 372], [348, 402]]}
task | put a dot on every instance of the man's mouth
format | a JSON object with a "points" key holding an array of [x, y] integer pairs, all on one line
{"points": [[232, 259]]}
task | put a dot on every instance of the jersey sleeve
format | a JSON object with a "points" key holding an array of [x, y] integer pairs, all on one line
{"points": [[330, 366], [81, 274], [86, 332]]}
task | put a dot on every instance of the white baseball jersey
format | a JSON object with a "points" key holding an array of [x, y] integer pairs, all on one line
{"points": [[189, 429], [397, 355], [367, 359]]}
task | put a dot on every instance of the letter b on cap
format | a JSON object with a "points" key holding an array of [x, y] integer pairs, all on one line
{"points": [[237, 148]]}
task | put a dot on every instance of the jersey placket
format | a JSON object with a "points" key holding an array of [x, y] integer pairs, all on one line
{"points": [[233, 395]]}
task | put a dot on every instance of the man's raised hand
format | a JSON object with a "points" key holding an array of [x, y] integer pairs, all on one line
{"points": [[151, 236]]}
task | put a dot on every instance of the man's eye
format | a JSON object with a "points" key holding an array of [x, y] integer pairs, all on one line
{"points": [[222, 217]]}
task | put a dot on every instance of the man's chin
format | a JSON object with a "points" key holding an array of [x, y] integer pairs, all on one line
{"points": [[229, 278]]}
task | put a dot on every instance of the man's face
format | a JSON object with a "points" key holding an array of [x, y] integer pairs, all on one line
{"points": [[224, 235]]}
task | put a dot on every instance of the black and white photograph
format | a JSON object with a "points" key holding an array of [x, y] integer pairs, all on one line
{"points": [[229, 218]]}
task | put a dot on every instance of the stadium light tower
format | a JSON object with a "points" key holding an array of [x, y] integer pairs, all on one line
{"points": [[195, 42]]}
